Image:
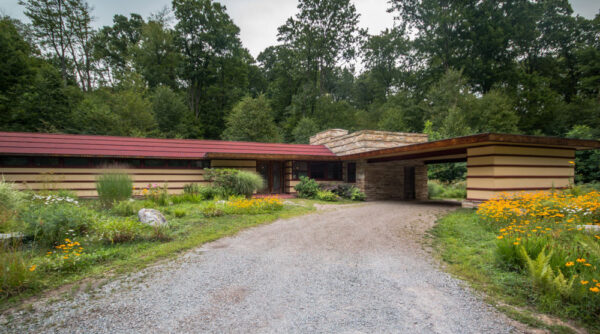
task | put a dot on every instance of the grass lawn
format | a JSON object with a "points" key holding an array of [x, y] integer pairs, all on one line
{"points": [[104, 260], [468, 246]]}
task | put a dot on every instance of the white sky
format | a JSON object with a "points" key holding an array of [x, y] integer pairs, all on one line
{"points": [[258, 19]]}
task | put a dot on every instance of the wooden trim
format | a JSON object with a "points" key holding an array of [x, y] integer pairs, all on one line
{"points": [[516, 165], [519, 155], [423, 155], [516, 189], [52, 173], [254, 156], [443, 161], [485, 138], [476, 199], [94, 189], [519, 176], [94, 181], [527, 146]]}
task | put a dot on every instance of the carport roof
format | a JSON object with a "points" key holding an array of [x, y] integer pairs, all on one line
{"points": [[455, 149]]}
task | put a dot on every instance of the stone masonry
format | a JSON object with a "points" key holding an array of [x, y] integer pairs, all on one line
{"points": [[382, 180], [342, 143]]}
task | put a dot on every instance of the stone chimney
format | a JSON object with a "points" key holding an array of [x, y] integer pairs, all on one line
{"points": [[342, 143]]}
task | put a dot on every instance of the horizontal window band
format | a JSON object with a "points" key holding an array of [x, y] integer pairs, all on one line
{"points": [[519, 155], [516, 189], [519, 176], [51, 173], [516, 165], [94, 189], [93, 181]]}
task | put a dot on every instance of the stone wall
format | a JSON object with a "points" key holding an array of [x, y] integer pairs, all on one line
{"points": [[385, 180], [342, 143]]}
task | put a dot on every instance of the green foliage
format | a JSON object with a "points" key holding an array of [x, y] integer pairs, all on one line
{"points": [[127, 208], [117, 230], [251, 120], [211, 210], [447, 172], [171, 113], [347, 191], [15, 273], [113, 187], [305, 128], [11, 200], [159, 195], [307, 187], [587, 163], [326, 195], [50, 224], [454, 190], [204, 192], [235, 182]]}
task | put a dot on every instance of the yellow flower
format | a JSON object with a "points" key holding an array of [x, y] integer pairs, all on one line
{"points": [[500, 237], [32, 268], [595, 289], [584, 282], [570, 264], [572, 162], [581, 260], [67, 240], [587, 264], [515, 243], [66, 257]]}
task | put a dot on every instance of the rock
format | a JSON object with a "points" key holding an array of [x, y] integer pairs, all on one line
{"points": [[152, 217]]}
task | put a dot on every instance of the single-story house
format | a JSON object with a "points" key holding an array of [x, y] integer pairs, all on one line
{"points": [[385, 165]]}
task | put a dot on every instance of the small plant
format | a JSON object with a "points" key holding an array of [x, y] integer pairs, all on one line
{"points": [[16, 270], [348, 191], [326, 195], [211, 210], [179, 213], [64, 257], [113, 187], [357, 195], [119, 230], [127, 208], [11, 200], [235, 182], [50, 224], [307, 188], [157, 194]]}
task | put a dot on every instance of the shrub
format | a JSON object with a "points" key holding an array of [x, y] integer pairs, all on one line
{"points": [[157, 194], [357, 195], [11, 200], [114, 187], [127, 208], [348, 191], [51, 224], [179, 213], [204, 192], [326, 195], [16, 271], [211, 210], [119, 230], [307, 188], [235, 182], [438, 189]]}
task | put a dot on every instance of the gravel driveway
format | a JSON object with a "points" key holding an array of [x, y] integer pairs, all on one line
{"points": [[345, 269]]}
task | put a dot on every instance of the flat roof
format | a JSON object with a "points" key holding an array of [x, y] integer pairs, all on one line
{"points": [[457, 147], [21, 143]]}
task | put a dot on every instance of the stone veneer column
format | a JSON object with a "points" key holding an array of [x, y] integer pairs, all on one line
{"points": [[385, 180]]}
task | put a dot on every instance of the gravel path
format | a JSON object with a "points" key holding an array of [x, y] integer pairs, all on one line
{"points": [[352, 269]]}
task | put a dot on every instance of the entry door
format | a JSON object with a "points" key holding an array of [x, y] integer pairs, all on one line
{"points": [[409, 183], [272, 172]]}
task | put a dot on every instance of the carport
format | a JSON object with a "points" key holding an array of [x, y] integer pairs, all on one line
{"points": [[496, 163]]}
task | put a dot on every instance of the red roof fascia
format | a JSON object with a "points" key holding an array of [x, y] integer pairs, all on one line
{"points": [[86, 145]]}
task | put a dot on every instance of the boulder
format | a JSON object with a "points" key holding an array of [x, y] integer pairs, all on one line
{"points": [[152, 217]]}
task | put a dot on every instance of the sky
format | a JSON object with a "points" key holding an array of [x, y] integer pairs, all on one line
{"points": [[258, 19]]}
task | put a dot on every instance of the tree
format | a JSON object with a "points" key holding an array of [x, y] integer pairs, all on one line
{"points": [[113, 46], [251, 120], [323, 34], [171, 113], [214, 65], [587, 163], [305, 128], [156, 56], [63, 27], [494, 112]]}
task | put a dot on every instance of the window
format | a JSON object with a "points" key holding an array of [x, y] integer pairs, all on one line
{"points": [[178, 163], [46, 161], [317, 170], [150, 163], [76, 162], [200, 164], [299, 168], [14, 161], [351, 172]]}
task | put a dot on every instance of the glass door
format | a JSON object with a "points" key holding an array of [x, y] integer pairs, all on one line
{"points": [[272, 173]]}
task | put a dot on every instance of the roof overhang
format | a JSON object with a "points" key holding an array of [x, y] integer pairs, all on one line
{"points": [[455, 149]]}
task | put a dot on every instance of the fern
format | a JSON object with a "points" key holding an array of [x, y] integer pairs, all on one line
{"points": [[543, 276]]}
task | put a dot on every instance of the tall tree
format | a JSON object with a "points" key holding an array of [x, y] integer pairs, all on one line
{"points": [[63, 28], [252, 120], [214, 65], [323, 34]]}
